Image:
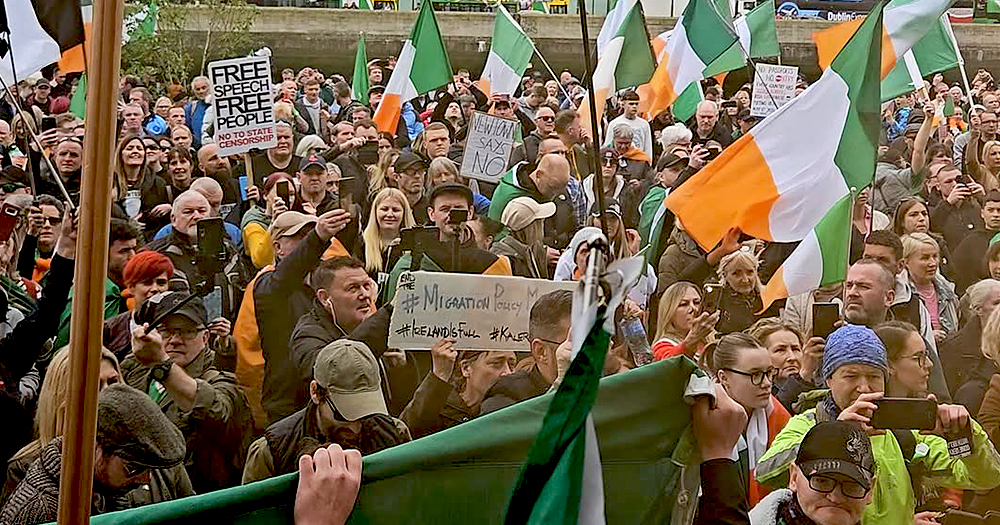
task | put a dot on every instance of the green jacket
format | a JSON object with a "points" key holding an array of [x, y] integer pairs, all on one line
{"points": [[114, 304], [893, 493], [510, 187]]}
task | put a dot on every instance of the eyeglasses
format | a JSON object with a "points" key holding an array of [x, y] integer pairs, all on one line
{"points": [[52, 221], [757, 378], [131, 469], [185, 333], [549, 341], [826, 484], [922, 358]]}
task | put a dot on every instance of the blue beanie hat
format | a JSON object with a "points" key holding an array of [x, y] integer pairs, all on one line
{"points": [[853, 345]]}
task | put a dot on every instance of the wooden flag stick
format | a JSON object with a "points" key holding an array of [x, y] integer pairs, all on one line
{"points": [[94, 215]]}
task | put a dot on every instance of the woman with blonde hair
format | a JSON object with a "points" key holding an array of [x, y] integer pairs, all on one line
{"points": [[390, 214], [524, 245], [50, 415], [681, 326], [738, 300], [921, 257], [985, 166], [310, 145], [380, 176]]}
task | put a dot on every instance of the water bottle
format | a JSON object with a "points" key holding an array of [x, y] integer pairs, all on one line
{"points": [[635, 336]]}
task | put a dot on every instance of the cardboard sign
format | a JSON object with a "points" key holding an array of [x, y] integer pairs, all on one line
{"points": [[773, 87], [480, 312], [488, 147], [244, 107]]}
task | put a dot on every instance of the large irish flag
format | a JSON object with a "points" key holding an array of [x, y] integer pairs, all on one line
{"points": [[422, 66], [904, 23], [510, 53], [40, 31], [773, 190]]}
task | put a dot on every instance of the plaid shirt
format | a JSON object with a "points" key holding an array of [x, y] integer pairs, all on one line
{"points": [[575, 192]]}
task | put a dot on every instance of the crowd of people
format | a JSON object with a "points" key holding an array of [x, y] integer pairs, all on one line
{"points": [[282, 363]]}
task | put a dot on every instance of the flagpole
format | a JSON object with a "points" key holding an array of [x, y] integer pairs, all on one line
{"points": [[961, 60], [589, 80], [76, 478]]}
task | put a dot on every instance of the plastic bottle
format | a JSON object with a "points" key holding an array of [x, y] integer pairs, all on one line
{"points": [[635, 335]]}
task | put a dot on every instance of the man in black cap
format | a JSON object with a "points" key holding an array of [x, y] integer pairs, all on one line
{"points": [[410, 171], [454, 249], [174, 365], [135, 443], [831, 480], [314, 198]]}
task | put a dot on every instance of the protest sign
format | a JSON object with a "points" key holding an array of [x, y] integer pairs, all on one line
{"points": [[773, 86], [480, 312], [488, 147], [244, 107]]}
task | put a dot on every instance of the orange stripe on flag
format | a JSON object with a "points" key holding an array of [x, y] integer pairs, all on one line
{"points": [[703, 203], [387, 114], [830, 41], [72, 60], [721, 77], [661, 90], [775, 289]]}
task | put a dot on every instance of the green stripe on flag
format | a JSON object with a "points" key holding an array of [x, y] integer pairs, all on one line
{"points": [[834, 235], [707, 33], [935, 52], [859, 65], [510, 43], [78, 104], [636, 62], [359, 84], [549, 485], [431, 67], [687, 102], [764, 34]]}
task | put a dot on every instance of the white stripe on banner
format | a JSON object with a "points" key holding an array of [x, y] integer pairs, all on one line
{"points": [[592, 487], [32, 48]]}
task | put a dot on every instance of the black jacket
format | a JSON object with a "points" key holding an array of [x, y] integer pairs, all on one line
{"points": [[280, 298], [955, 223], [312, 332], [966, 370], [20, 348], [739, 311], [722, 502], [515, 388], [436, 406], [970, 259]]}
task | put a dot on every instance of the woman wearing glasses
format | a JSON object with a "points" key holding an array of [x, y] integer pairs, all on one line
{"points": [[909, 364], [743, 366]]}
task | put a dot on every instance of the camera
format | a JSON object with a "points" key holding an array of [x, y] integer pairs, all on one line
{"points": [[458, 216]]}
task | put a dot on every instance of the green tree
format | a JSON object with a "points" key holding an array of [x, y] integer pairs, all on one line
{"points": [[188, 38]]}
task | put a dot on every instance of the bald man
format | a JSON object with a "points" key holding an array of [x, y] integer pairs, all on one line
{"points": [[218, 168], [213, 193], [552, 174], [706, 125]]}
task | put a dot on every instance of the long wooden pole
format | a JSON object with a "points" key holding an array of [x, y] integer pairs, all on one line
{"points": [[76, 479]]}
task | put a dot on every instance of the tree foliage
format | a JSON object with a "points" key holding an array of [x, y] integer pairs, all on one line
{"points": [[187, 38]]}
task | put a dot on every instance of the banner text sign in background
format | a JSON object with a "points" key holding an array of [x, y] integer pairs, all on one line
{"points": [[244, 106], [480, 312]]}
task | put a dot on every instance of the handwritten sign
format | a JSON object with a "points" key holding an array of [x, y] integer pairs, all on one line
{"points": [[488, 147], [481, 312], [244, 109], [773, 87]]}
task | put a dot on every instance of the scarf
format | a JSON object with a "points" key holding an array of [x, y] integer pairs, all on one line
{"points": [[753, 443]]}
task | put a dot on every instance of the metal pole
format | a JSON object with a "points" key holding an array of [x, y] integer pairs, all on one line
{"points": [[588, 80], [76, 479]]}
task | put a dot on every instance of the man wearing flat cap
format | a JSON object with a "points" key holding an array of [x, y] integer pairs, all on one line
{"points": [[134, 441]]}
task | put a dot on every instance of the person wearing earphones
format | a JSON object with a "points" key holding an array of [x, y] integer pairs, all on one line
{"points": [[344, 297]]}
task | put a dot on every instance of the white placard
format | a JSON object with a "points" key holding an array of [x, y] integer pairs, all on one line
{"points": [[481, 312], [773, 87], [244, 107], [487, 150]]}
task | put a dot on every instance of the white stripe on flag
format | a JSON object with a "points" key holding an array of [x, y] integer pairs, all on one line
{"points": [[592, 486], [400, 81], [31, 47], [916, 79], [612, 22], [502, 77], [684, 66], [742, 28], [803, 269]]}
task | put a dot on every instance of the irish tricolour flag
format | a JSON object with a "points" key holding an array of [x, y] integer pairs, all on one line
{"points": [[905, 22], [624, 56], [784, 194], [510, 53], [422, 66]]}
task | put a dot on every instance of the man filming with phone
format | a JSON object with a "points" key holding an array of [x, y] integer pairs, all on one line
{"points": [[854, 368], [959, 212]]}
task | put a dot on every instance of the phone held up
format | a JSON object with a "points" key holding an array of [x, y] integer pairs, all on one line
{"points": [[8, 220], [904, 413], [825, 317]]}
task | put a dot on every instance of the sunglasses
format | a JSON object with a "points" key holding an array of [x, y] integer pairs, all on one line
{"points": [[547, 119], [52, 221], [11, 187]]}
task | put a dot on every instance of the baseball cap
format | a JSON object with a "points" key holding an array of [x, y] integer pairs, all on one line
{"points": [[377, 88], [290, 223], [837, 447], [193, 309], [407, 160], [348, 371], [42, 81], [668, 160], [450, 188], [522, 211], [310, 161], [610, 206], [609, 154]]}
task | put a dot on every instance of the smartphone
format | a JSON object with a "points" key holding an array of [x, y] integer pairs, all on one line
{"points": [[958, 517], [48, 123], [825, 317], [904, 413], [211, 250], [8, 220], [284, 192], [712, 297], [458, 216]]}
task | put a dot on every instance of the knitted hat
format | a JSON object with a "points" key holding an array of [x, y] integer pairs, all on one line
{"points": [[131, 426], [853, 345]]}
